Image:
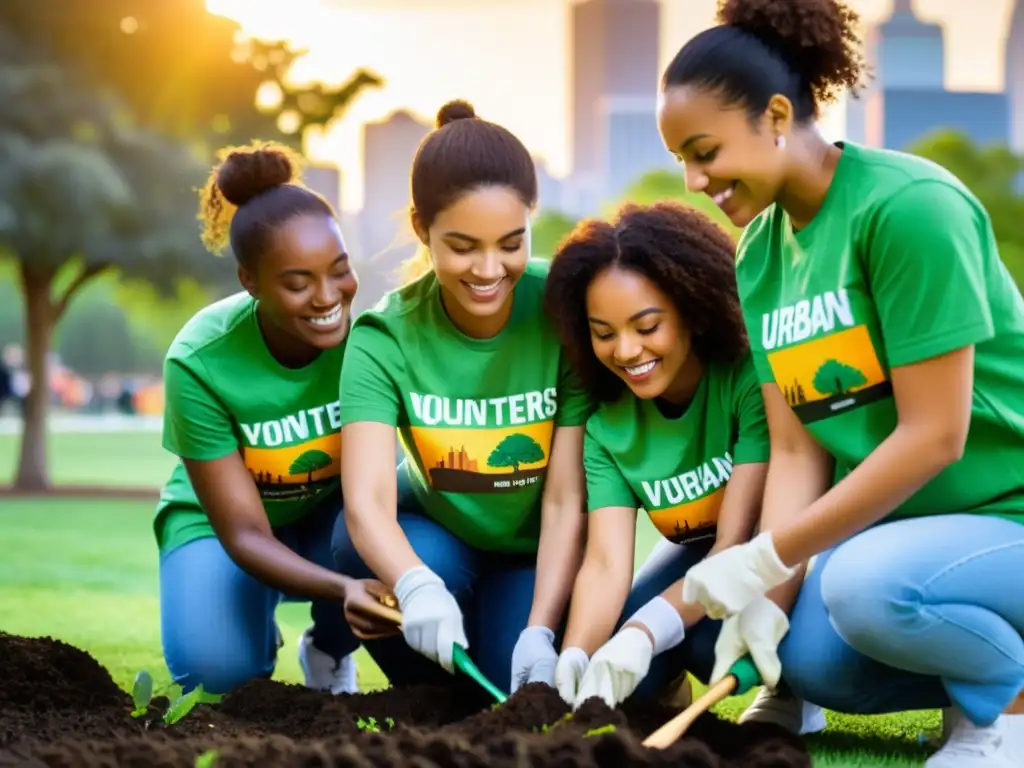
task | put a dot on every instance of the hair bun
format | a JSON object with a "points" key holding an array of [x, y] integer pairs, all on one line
{"points": [[250, 171], [458, 109]]}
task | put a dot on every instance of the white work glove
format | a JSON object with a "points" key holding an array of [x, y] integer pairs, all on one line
{"points": [[534, 658], [757, 629], [725, 582], [621, 664], [431, 619], [572, 663]]}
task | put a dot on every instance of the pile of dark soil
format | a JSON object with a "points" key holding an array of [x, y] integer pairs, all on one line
{"points": [[60, 709]]}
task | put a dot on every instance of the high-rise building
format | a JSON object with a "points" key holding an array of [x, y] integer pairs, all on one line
{"points": [[1014, 58]]}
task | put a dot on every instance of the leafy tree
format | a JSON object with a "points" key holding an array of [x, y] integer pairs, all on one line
{"points": [[547, 232], [310, 462], [835, 378], [993, 174], [515, 449], [179, 68]]}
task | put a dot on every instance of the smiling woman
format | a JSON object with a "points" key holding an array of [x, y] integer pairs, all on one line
{"points": [[252, 412]]}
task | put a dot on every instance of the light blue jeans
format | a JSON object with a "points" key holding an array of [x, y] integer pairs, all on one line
{"points": [[217, 621], [913, 614], [494, 591]]}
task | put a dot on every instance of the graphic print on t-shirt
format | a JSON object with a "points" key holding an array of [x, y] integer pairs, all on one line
{"points": [[693, 497], [485, 445], [294, 457], [822, 375]]}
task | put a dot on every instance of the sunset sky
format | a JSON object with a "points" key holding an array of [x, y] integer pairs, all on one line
{"points": [[509, 58]]}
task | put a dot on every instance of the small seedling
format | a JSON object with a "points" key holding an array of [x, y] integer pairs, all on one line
{"points": [[560, 721], [181, 705], [370, 724], [142, 692], [207, 759], [599, 731]]}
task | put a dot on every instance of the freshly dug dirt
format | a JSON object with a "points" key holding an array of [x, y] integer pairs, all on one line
{"points": [[60, 709]]}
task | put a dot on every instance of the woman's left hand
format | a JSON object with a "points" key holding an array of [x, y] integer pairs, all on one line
{"points": [[757, 629], [365, 624], [726, 582]]}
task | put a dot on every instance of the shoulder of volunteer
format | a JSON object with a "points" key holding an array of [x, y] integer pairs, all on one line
{"points": [[210, 326]]}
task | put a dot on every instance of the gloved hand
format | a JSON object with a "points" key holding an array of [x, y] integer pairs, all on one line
{"points": [[431, 619], [572, 663], [621, 664], [757, 629], [726, 582], [534, 658]]}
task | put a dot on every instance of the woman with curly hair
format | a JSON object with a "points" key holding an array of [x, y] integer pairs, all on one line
{"points": [[888, 336], [646, 306]]}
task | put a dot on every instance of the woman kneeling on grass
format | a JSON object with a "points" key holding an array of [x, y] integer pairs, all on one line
{"points": [[487, 518], [252, 410], [889, 339], [647, 307]]}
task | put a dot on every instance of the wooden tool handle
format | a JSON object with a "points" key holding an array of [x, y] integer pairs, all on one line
{"points": [[380, 611], [670, 732]]}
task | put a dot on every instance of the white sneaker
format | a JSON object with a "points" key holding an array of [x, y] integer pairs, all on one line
{"points": [[971, 746], [786, 710], [322, 672]]}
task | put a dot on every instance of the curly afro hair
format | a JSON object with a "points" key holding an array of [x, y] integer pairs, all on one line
{"points": [[680, 250], [806, 50]]}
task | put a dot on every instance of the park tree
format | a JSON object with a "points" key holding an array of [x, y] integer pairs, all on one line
{"points": [[514, 450], [993, 173], [309, 462], [658, 185], [548, 230], [180, 69], [83, 191]]}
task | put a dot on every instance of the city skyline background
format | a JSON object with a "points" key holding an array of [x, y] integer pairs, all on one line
{"points": [[521, 62]]}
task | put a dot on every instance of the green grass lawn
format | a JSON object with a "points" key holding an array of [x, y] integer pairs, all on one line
{"points": [[85, 571]]}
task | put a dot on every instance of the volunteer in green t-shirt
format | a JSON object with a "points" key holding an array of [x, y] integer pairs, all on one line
{"points": [[889, 338], [647, 306], [483, 535], [251, 408]]}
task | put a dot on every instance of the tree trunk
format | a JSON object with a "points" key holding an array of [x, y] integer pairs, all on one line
{"points": [[33, 471]]}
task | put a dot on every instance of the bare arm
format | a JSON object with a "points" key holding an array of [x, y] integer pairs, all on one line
{"points": [[226, 491], [800, 471], [740, 510], [371, 500], [603, 582], [933, 403], [563, 517]]}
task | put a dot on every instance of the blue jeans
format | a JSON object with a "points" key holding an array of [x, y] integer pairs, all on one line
{"points": [[913, 614], [217, 621], [494, 591], [667, 564]]}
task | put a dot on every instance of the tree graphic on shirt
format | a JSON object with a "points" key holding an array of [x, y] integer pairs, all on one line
{"points": [[834, 378], [308, 463], [515, 449]]}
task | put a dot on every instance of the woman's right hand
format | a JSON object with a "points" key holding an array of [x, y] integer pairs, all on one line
{"points": [[361, 596]]}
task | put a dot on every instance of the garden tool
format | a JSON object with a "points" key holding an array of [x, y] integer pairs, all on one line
{"points": [[460, 658], [742, 677]]}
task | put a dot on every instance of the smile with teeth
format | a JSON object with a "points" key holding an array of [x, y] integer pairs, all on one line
{"points": [[486, 288], [329, 319], [640, 370], [721, 198]]}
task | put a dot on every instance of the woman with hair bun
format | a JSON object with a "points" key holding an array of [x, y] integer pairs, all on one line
{"points": [[646, 305], [888, 337], [481, 539], [252, 411]]}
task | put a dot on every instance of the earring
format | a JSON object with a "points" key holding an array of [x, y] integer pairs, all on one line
{"points": [[780, 141]]}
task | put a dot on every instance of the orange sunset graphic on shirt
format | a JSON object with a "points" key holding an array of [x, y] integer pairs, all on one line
{"points": [[486, 460], [830, 374], [691, 520], [294, 471]]}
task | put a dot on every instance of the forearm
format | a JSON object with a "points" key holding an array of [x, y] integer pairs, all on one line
{"points": [[381, 543], [261, 555], [890, 475], [597, 600], [559, 554]]}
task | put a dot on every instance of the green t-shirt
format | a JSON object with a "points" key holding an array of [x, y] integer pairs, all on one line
{"points": [[225, 392], [475, 416], [677, 469], [900, 265]]}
